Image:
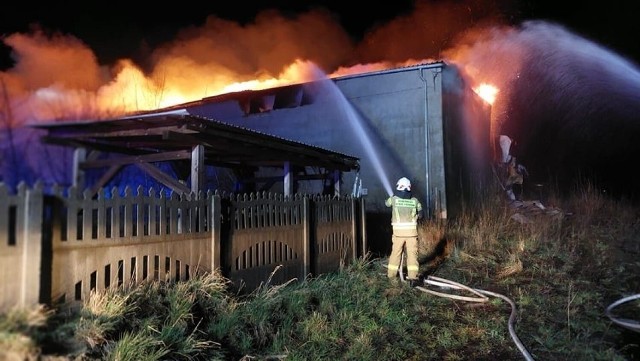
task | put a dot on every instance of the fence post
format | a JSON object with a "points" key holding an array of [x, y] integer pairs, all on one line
{"points": [[353, 208], [31, 237], [363, 226], [306, 236], [216, 233]]}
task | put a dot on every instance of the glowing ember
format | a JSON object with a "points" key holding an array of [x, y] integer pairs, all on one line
{"points": [[487, 92]]}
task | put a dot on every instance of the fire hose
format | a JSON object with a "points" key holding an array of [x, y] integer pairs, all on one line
{"points": [[479, 296], [626, 323]]}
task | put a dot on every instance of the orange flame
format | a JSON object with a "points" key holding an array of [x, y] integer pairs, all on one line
{"points": [[487, 92], [57, 77]]}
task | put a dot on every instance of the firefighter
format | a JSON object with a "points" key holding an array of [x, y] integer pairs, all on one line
{"points": [[405, 212], [515, 177], [512, 173]]}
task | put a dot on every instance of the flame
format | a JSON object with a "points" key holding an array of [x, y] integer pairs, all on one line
{"points": [[297, 72], [487, 92], [57, 77]]}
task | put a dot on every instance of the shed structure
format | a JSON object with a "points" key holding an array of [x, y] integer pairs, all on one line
{"points": [[190, 144], [423, 122]]}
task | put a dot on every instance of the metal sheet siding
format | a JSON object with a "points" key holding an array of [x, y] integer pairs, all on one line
{"points": [[421, 122]]}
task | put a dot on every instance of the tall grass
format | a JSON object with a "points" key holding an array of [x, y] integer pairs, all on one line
{"points": [[561, 265]]}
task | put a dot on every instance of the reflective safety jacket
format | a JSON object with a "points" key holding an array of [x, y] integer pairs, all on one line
{"points": [[404, 212]]}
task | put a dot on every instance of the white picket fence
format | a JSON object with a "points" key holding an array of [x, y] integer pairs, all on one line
{"points": [[61, 246]]}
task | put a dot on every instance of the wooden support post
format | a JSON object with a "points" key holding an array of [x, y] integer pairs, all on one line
{"points": [[79, 156], [197, 168], [336, 182], [288, 180]]}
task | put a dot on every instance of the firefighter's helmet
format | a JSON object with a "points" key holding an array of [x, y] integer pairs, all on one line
{"points": [[404, 184]]}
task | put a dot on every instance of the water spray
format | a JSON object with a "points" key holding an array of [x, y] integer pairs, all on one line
{"points": [[356, 123]]}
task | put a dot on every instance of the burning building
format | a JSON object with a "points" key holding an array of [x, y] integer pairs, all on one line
{"points": [[421, 121]]}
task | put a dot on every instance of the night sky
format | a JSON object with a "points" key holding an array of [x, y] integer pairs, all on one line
{"points": [[116, 31], [119, 29]]}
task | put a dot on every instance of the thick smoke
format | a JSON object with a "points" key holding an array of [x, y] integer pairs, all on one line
{"points": [[572, 105], [58, 77], [569, 103]]}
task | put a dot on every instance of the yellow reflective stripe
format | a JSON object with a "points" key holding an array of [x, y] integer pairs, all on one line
{"points": [[404, 225], [392, 266], [412, 268]]}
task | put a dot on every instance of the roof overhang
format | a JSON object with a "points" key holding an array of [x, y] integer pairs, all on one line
{"points": [[173, 135]]}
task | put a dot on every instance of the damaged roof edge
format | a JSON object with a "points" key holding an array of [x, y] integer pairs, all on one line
{"points": [[437, 64]]}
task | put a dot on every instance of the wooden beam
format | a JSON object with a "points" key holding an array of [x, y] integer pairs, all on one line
{"points": [[261, 140], [104, 146], [164, 178], [154, 157], [106, 177], [93, 155]]}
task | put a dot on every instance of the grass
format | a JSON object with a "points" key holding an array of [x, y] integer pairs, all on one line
{"points": [[561, 267]]}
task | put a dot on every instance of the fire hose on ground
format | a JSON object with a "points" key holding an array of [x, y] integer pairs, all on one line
{"points": [[479, 296], [632, 325]]}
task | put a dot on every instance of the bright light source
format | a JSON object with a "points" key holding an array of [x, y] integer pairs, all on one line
{"points": [[487, 92]]}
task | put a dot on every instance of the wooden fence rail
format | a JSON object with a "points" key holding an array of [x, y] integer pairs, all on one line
{"points": [[62, 246]]}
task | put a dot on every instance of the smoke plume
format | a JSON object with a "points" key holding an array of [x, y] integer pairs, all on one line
{"points": [[570, 104]]}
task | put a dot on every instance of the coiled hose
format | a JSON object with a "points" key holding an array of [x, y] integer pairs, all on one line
{"points": [[479, 296]]}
